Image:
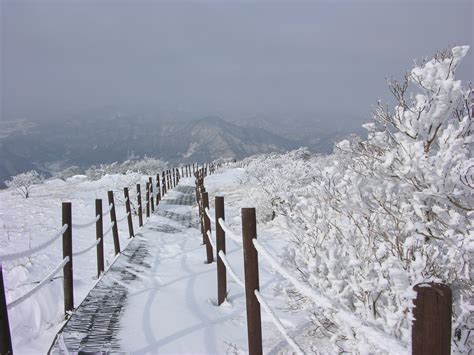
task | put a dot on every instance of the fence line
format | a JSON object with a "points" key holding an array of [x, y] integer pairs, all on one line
{"points": [[83, 251], [87, 224], [231, 271], [107, 231], [278, 323], [229, 232], [66, 233]]}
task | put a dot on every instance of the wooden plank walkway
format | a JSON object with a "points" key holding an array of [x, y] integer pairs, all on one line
{"points": [[95, 325]]}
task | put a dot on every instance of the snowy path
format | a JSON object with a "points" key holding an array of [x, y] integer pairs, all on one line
{"points": [[158, 295]]}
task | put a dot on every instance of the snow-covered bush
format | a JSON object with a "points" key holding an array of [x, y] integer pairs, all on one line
{"points": [[69, 172], [384, 213], [146, 166], [25, 182]]}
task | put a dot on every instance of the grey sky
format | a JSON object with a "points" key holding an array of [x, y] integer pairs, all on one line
{"points": [[326, 60]]}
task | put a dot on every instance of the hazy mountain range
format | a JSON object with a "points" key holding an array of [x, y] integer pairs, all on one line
{"points": [[57, 144]]}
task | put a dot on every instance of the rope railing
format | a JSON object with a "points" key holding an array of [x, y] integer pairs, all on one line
{"points": [[278, 324], [85, 225], [206, 210], [123, 218], [28, 252], [229, 232], [109, 229], [83, 251], [108, 209], [373, 335], [209, 234], [43, 282], [172, 180], [231, 271]]}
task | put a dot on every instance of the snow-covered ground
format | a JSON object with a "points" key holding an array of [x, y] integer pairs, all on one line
{"points": [[182, 314], [26, 223]]}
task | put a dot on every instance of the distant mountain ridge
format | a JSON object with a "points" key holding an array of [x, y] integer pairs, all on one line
{"points": [[25, 145]]}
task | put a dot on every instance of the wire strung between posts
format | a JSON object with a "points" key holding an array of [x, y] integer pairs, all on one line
{"points": [[77, 253], [40, 285], [234, 276], [109, 229], [24, 253], [209, 235], [108, 210], [229, 233], [373, 335], [206, 210], [85, 225], [123, 218], [278, 323]]}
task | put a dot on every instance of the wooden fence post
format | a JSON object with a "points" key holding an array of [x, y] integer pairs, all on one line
{"points": [[201, 213], [163, 184], [254, 323], [113, 219], [99, 234], [68, 286], [140, 210], [431, 331], [220, 245], [158, 189], [147, 200], [129, 212], [152, 204], [5, 335], [207, 227]]}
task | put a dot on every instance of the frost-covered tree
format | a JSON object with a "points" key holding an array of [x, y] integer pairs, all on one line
{"points": [[23, 183], [384, 213]]}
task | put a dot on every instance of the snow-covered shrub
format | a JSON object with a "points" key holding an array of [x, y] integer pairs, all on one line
{"points": [[23, 183], [384, 213], [146, 166], [69, 172]]}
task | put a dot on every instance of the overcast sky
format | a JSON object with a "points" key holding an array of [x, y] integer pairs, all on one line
{"points": [[326, 60]]}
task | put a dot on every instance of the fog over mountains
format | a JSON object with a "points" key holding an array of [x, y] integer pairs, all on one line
{"points": [[52, 145]]}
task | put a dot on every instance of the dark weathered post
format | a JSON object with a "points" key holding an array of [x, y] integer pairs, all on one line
{"points": [[220, 245], [68, 286], [254, 323], [99, 235], [113, 220], [129, 212], [163, 185], [431, 331], [207, 227], [150, 185], [158, 189], [5, 335], [147, 200], [140, 210]]}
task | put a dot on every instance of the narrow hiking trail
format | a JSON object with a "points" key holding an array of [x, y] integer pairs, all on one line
{"points": [[156, 295], [159, 296]]}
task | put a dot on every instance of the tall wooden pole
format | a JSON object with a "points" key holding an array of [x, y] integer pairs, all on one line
{"points": [[68, 285], [5, 335], [220, 245], [252, 283], [99, 234], [129, 212], [140, 209], [113, 220]]}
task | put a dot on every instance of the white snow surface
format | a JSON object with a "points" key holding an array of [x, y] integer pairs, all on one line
{"points": [[173, 307]]}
